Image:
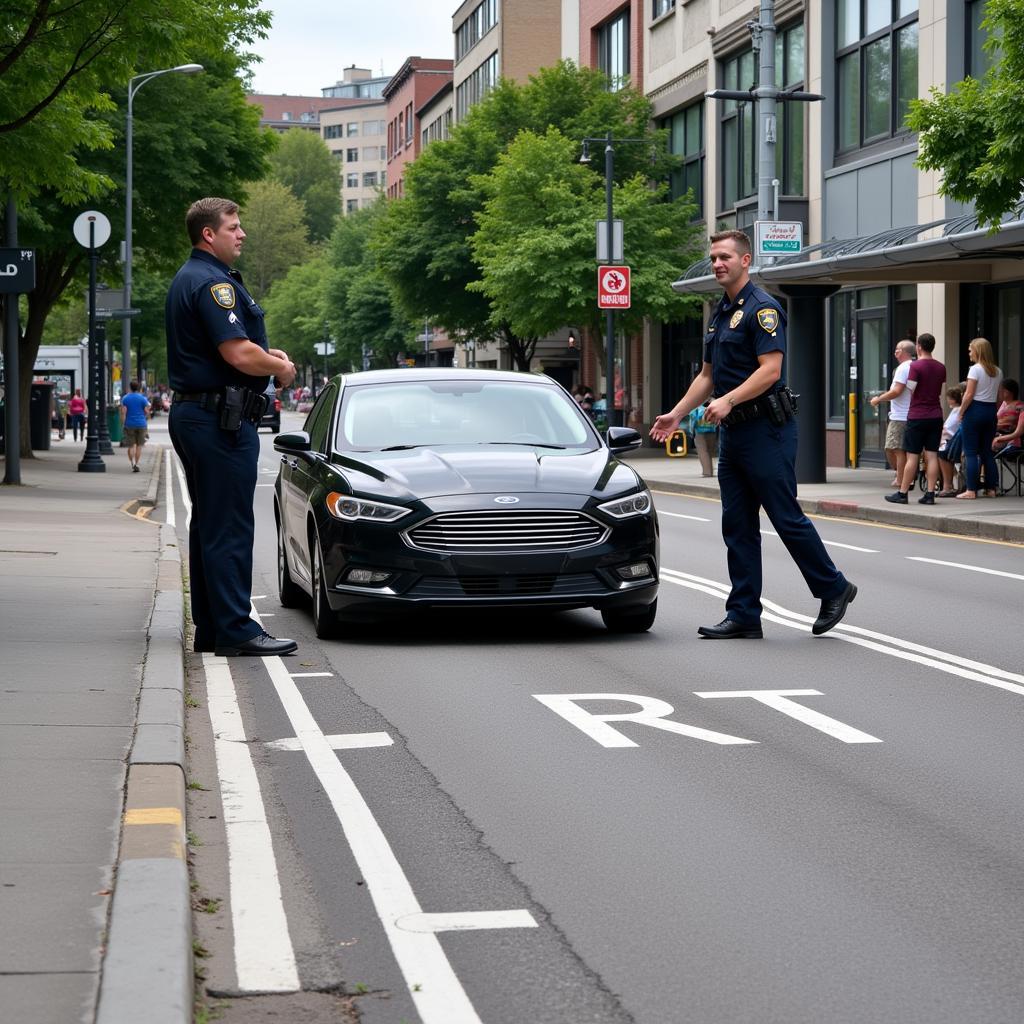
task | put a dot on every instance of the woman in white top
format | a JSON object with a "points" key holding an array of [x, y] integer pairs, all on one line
{"points": [[978, 418]]}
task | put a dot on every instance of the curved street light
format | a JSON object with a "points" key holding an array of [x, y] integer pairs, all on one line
{"points": [[134, 85]]}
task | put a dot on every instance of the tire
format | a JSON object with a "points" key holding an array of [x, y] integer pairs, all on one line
{"points": [[325, 622], [617, 621], [289, 593]]}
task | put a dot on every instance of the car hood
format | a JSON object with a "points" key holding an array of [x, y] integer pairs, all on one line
{"points": [[435, 472]]}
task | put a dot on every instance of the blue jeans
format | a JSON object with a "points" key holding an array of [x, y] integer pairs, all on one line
{"points": [[979, 429]]}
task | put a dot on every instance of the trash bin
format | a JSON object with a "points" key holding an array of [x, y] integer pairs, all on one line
{"points": [[114, 423], [40, 404]]}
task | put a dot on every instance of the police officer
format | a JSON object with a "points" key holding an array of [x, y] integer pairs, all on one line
{"points": [[742, 380], [219, 366]]}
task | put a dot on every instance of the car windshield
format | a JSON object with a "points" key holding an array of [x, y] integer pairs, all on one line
{"points": [[422, 413]]}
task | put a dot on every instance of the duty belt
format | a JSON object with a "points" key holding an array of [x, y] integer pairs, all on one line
{"points": [[255, 404], [778, 406]]}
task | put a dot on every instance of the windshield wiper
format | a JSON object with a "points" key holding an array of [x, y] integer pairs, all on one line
{"points": [[530, 444], [401, 447]]}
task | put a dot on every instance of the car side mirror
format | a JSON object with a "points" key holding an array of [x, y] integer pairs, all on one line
{"points": [[623, 439], [293, 443]]}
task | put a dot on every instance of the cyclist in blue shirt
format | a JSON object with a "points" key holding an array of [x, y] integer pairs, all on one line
{"points": [[135, 420]]}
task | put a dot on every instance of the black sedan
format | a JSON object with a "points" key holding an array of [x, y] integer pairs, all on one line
{"points": [[440, 488]]}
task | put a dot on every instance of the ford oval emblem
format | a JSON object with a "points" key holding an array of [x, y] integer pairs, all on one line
{"points": [[506, 499]]}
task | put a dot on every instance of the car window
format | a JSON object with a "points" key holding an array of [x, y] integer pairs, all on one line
{"points": [[376, 416], [318, 422]]}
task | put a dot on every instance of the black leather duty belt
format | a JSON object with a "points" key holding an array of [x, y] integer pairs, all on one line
{"points": [[253, 407], [777, 406]]}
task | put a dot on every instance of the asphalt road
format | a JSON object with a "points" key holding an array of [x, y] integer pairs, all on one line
{"points": [[846, 853]]}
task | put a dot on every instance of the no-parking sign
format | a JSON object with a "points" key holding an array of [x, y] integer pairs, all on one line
{"points": [[613, 287]]}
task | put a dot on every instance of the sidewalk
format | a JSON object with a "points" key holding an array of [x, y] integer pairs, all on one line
{"points": [[854, 494], [91, 736]]}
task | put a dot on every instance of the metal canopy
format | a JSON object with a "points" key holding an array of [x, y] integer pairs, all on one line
{"points": [[957, 250]]}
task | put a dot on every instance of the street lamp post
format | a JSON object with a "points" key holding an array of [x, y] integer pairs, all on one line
{"points": [[134, 85]]}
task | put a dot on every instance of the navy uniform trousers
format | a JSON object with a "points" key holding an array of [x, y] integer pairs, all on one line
{"points": [[756, 470], [221, 468]]}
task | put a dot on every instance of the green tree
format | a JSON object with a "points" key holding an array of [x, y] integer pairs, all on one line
{"points": [[973, 133], [535, 241], [304, 163], [276, 235], [295, 311]]}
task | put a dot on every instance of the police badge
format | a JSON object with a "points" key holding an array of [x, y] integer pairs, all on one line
{"points": [[223, 295], [736, 318], [768, 319]]}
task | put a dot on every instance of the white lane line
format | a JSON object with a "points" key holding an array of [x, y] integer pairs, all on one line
{"points": [[312, 675], [969, 568], [433, 985], [338, 741], [895, 647], [831, 544], [258, 597], [468, 920], [264, 957], [679, 515], [264, 485], [171, 517], [183, 487]]}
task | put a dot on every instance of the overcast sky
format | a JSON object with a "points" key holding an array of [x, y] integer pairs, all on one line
{"points": [[311, 42]]}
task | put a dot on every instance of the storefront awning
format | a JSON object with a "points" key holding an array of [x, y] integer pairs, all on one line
{"points": [[954, 250]]}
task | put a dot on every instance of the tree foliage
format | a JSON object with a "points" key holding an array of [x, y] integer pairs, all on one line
{"points": [[974, 134], [304, 163], [276, 235]]}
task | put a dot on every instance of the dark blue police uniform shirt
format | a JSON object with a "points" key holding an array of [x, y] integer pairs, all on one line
{"points": [[741, 331], [208, 304]]}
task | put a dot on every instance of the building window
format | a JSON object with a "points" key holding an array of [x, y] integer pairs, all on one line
{"points": [[370, 153], [352, 128], [286, 115], [613, 50], [369, 179], [351, 205], [876, 69], [408, 124], [373, 127], [663, 7], [686, 140], [400, 134], [481, 20], [332, 131], [351, 156], [383, 154], [476, 86], [352, 180], [979, 60]]}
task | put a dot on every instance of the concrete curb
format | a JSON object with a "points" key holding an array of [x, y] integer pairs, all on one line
{"points": [[148, 960]]}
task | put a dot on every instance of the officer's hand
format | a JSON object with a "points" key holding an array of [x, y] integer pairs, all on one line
{"points": [[285, 378], [717, 410], [664, 425]]}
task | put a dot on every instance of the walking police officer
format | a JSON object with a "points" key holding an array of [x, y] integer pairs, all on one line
{"points": [[744, 377], [219, 366]]}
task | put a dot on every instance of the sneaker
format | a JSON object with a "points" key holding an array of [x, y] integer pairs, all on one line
{"points": [[928, 498], [897, 498], [135, 468]]}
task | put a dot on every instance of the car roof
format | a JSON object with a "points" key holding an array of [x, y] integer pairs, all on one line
{"points": [[435, 373]]}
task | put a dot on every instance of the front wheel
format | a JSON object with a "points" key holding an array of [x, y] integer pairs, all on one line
{"points": [[325, 621], [622, 621]]}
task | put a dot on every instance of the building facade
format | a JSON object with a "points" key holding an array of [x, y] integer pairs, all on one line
{"points": [[356, 135], [284, 112]]}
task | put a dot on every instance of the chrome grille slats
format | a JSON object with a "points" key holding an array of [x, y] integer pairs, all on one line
{"points": [[507, 530], [506, 587]]}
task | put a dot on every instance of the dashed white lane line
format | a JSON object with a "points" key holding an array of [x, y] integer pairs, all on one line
{"points": [[338, 741], [679, 515], [969, 568], [264, 956], [171, 516], [312, 675], [830, 543]]}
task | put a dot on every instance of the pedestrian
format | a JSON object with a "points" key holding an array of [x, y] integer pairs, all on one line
{"points": [[743, 375], [951, 446], [978, 415], [134, 421], [705, 440], [219, 365], [898, 397], [924, 422], [76, 410]]}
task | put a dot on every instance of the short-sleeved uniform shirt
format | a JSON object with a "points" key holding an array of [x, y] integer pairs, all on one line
{"points": [[740, 331], [135, 409], [930, 375], [208, 304]]}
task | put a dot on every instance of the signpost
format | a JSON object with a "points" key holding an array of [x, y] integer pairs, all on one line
{"points": [[613, 289], [777, 238], [17, 271]]}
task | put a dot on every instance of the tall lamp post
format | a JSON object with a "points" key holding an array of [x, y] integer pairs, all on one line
{"points": [[610, 256], [134, 85]]}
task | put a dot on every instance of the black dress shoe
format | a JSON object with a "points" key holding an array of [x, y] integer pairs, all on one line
{"points": [[729, 630], [833, 610], [262, 645]]}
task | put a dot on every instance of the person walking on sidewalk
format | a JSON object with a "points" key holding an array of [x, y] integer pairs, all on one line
{"points": [[219, 365], [743, 375], [705, 440], [978, 415], [924, 422], [134, 421], [76, 410], [898, 398]]}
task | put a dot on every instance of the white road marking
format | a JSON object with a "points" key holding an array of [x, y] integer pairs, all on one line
{"points": [[779, 700], [831, 544], [338, 741], [652, 712], [969, 568], [895, 647], [171, 516], [466, 921], [679, 515], [258, 597], [433, 985], [264, 957], [311, 675], [264, 485], [183, 487]]}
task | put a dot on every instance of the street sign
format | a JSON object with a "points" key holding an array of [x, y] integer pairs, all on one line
{"points": [[613, 287], [602, 242], [101, 229], [320, 346], [17, 271], [116, 314], [778, 237]]}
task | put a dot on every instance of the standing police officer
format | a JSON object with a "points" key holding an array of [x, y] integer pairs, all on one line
{"points": [[219, 367], [743, 375]]}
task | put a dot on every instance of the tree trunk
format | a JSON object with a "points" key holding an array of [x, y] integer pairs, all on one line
{"points": [[521, 349]]}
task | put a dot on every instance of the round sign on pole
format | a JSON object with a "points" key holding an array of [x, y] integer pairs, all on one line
{"points": [[101, 229]]}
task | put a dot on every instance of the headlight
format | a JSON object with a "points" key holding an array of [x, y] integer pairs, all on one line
{"points": [[638, 504], [344, 506]]}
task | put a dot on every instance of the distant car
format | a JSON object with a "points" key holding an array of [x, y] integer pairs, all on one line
{"points": [[441, 488], [272, 417]]}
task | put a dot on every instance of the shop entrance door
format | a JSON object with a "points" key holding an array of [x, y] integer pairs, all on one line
{"points": [[871, 360]]}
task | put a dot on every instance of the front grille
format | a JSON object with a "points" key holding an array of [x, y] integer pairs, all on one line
{"points": [[507, 530], [568, 585]]}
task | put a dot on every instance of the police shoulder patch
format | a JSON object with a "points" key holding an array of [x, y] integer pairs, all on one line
{"points": [[768, 319], [223, 295]]}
